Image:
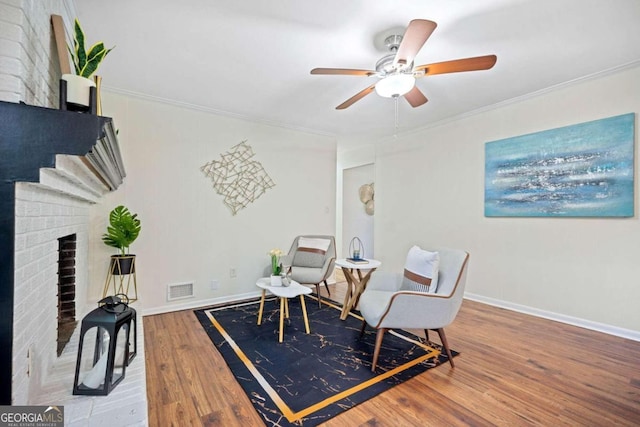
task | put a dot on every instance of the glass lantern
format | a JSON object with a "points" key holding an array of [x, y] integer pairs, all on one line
{"points": [[356, 249], [104, 351]]}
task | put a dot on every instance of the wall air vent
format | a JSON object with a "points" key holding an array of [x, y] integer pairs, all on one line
{"points": [[179, 291]]}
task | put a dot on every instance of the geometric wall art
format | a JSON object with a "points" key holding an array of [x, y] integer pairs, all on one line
{"points": [[582, 170], [237, 177]]}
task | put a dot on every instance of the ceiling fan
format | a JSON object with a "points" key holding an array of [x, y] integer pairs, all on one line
{"points": [[396, 71]]}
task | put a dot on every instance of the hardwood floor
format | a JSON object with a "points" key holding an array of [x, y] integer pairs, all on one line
{"points": [[514, 369]]}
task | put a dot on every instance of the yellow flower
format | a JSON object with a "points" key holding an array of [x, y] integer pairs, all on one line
{"points": [[275, 252]]}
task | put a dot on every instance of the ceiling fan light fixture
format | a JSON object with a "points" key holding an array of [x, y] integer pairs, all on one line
{"points": [[395, 85]]}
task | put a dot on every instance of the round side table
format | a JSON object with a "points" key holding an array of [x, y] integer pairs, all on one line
{"points": [[356, 283]]}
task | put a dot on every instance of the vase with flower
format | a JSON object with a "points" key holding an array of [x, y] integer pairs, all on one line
{"points": [[276, 267]]}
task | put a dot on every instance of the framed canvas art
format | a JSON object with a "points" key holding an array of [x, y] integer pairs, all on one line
{"points": [[582, 170]]}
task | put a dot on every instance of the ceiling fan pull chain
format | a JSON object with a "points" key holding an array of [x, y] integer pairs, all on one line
{"points": [[395, 131]]}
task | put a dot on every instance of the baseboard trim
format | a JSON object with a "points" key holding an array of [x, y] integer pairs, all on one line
{"points": [[191, 305], [575, 321]]}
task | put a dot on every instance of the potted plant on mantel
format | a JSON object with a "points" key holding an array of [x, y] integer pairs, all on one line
{"points": [[123, 229], [85, 63]]}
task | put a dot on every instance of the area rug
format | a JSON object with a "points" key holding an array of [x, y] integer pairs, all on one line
{"points": [[309, 378]]}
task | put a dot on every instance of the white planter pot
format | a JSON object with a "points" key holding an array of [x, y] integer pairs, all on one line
{"points": [[78, 89], [276, 281]]}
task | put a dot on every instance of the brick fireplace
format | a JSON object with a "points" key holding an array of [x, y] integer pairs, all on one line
{"points": [[46, 195], [44, 214], [52, 223], [54, 166]]}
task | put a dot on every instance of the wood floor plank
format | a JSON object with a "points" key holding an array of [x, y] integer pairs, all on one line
{"points": [[513, 369]]}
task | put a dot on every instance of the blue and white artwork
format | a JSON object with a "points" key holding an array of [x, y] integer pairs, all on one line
{"points": [[583, 170]]}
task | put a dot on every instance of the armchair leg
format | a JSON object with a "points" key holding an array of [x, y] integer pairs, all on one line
{"points": [[318, 294], [364, 325], [426, 335], [327, 286], [376, 351], [445, 344]]}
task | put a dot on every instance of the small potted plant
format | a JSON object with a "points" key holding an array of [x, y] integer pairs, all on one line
{"points": [[85, 63], [122, 231], [276, 267]]}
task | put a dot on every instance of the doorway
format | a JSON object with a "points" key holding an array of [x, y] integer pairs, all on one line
{"points": [[356, 222]]}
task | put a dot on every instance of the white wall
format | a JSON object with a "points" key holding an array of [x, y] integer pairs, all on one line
{"points": [[355, 221], [430, 191], [188, 234]]}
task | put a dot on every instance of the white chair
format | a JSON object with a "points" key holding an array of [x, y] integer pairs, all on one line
{"points": [[310, 260], [386, 305]]}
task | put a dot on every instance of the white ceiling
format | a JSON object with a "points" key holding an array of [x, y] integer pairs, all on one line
{"points": [[251, 58]]}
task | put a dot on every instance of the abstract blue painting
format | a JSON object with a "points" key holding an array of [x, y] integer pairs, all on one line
{"points": [[583, 170]]}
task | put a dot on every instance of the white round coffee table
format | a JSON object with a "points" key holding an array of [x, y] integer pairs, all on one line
{"points": [[284, 293]]}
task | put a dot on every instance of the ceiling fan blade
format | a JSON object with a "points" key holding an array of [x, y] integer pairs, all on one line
{"points": [[413, 39], [458, 65], [415, 97], [343, 71], [357, 97]]}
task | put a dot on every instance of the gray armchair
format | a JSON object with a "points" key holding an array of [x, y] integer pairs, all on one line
{"points": [[385, 305], [311, 260]]}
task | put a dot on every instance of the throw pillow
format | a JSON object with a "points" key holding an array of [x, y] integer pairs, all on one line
{"points": [[311, 252], [421, 270]]}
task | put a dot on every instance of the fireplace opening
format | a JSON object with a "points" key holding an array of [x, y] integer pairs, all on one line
{"points": [[66, 290]]}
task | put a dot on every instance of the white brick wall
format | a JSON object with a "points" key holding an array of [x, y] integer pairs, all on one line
{"points": [[29, 68], [43, 215]]}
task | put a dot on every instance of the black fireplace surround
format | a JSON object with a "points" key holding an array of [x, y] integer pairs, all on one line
{"points": [[30, 138]]}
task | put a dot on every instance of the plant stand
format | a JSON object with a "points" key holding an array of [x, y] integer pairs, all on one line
{"points": [[121, 277], [92, 108]]}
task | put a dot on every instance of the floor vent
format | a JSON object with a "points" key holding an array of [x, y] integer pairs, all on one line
{"points": [[179, 291]]}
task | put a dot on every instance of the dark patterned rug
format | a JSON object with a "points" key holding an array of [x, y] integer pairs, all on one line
{"points": [[310, 378]]}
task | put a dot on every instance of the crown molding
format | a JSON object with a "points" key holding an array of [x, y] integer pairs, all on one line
{"points": [[204, 109], [515, 100]]}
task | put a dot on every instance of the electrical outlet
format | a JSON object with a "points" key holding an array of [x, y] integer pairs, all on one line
{"points": [[29, 351], [232, 272], [214, 285]]}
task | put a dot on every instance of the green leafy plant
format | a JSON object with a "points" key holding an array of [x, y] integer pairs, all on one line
{"points": [[86, 63], [123, 230], [275, 255]]}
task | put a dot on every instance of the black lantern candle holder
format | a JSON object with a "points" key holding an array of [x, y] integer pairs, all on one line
{"points": [[104, 350]]}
